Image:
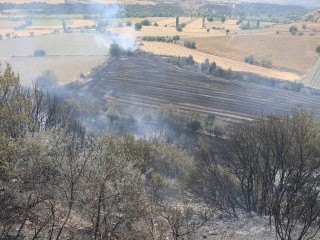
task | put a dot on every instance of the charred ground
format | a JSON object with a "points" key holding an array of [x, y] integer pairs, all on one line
{"points": [[147, 82]]}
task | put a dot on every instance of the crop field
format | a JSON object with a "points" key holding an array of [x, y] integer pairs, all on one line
{"points": [[65, 68], [286, 52], [56, 44], [177, 50], [148, 82]]}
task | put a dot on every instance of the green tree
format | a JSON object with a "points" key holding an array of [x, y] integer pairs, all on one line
{"points": [[293, 30], [14, 112], [128, 24], [113, 114], [223, 19], [138, 26], [318, 49], [145, 22], [210, 19]]}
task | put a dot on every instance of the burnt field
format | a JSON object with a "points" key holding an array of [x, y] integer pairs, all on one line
{"points": [[145, 81]]}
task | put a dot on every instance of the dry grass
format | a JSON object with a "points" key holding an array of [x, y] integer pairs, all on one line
{"points": [[66, 68], [286, 52], [176, 50]]}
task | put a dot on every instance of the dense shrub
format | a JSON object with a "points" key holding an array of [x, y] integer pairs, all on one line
{"points": [[138, 26], [145, 22], [39, 53], [190, 44]]}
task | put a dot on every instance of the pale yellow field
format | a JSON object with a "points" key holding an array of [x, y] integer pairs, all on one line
{"points": [[170, 31], [176, 50], [171, 22], [65, 68], [24, 33]]}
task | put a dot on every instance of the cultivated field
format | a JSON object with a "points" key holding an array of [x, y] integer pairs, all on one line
{"points": [[286, 52], [56, 44], [65, 68], [177, 50], [147, 82]]}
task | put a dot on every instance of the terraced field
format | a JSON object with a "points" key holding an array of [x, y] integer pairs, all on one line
{"points": [[65, 68], [147, 82], [176, 50]]}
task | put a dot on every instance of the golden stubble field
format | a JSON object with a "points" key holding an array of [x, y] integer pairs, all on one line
{"points": [[177, 50], [65, 68], [290, 53]]}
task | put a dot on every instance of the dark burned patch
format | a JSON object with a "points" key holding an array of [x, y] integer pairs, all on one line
{"points": [[146, 81]]}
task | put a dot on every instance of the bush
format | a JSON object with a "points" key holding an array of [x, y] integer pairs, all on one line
{"points": [[318, 49], [250, 59], [145, 22], [266, 63], [156, 24], [129, 24], [176, 38], [179, 28], [39, 53], [210, 19], [138, 26], [293, 30], [189, 44]]}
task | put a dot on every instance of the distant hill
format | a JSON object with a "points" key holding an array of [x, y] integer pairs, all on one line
{"points": [[308, 3], [314, 16]]}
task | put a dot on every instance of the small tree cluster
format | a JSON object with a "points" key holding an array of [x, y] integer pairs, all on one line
{"points": [[189, 44]]}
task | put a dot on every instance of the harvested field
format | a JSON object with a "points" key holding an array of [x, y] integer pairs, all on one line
{"points": [[177, 50], [8, 24], [65, 68], [55, 44], [294, 54], [171, 31], [147, 82]]}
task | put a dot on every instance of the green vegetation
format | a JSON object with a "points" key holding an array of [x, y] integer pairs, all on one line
{"points": [[158, 10], [161, 39], [138, 26], [263, 63], [293, 30], [145, 22], [318, 49], [210, 19], [39, 53], [189, 44]]}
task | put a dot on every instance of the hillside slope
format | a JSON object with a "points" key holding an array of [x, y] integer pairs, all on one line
{"points": [[147, 82]]}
